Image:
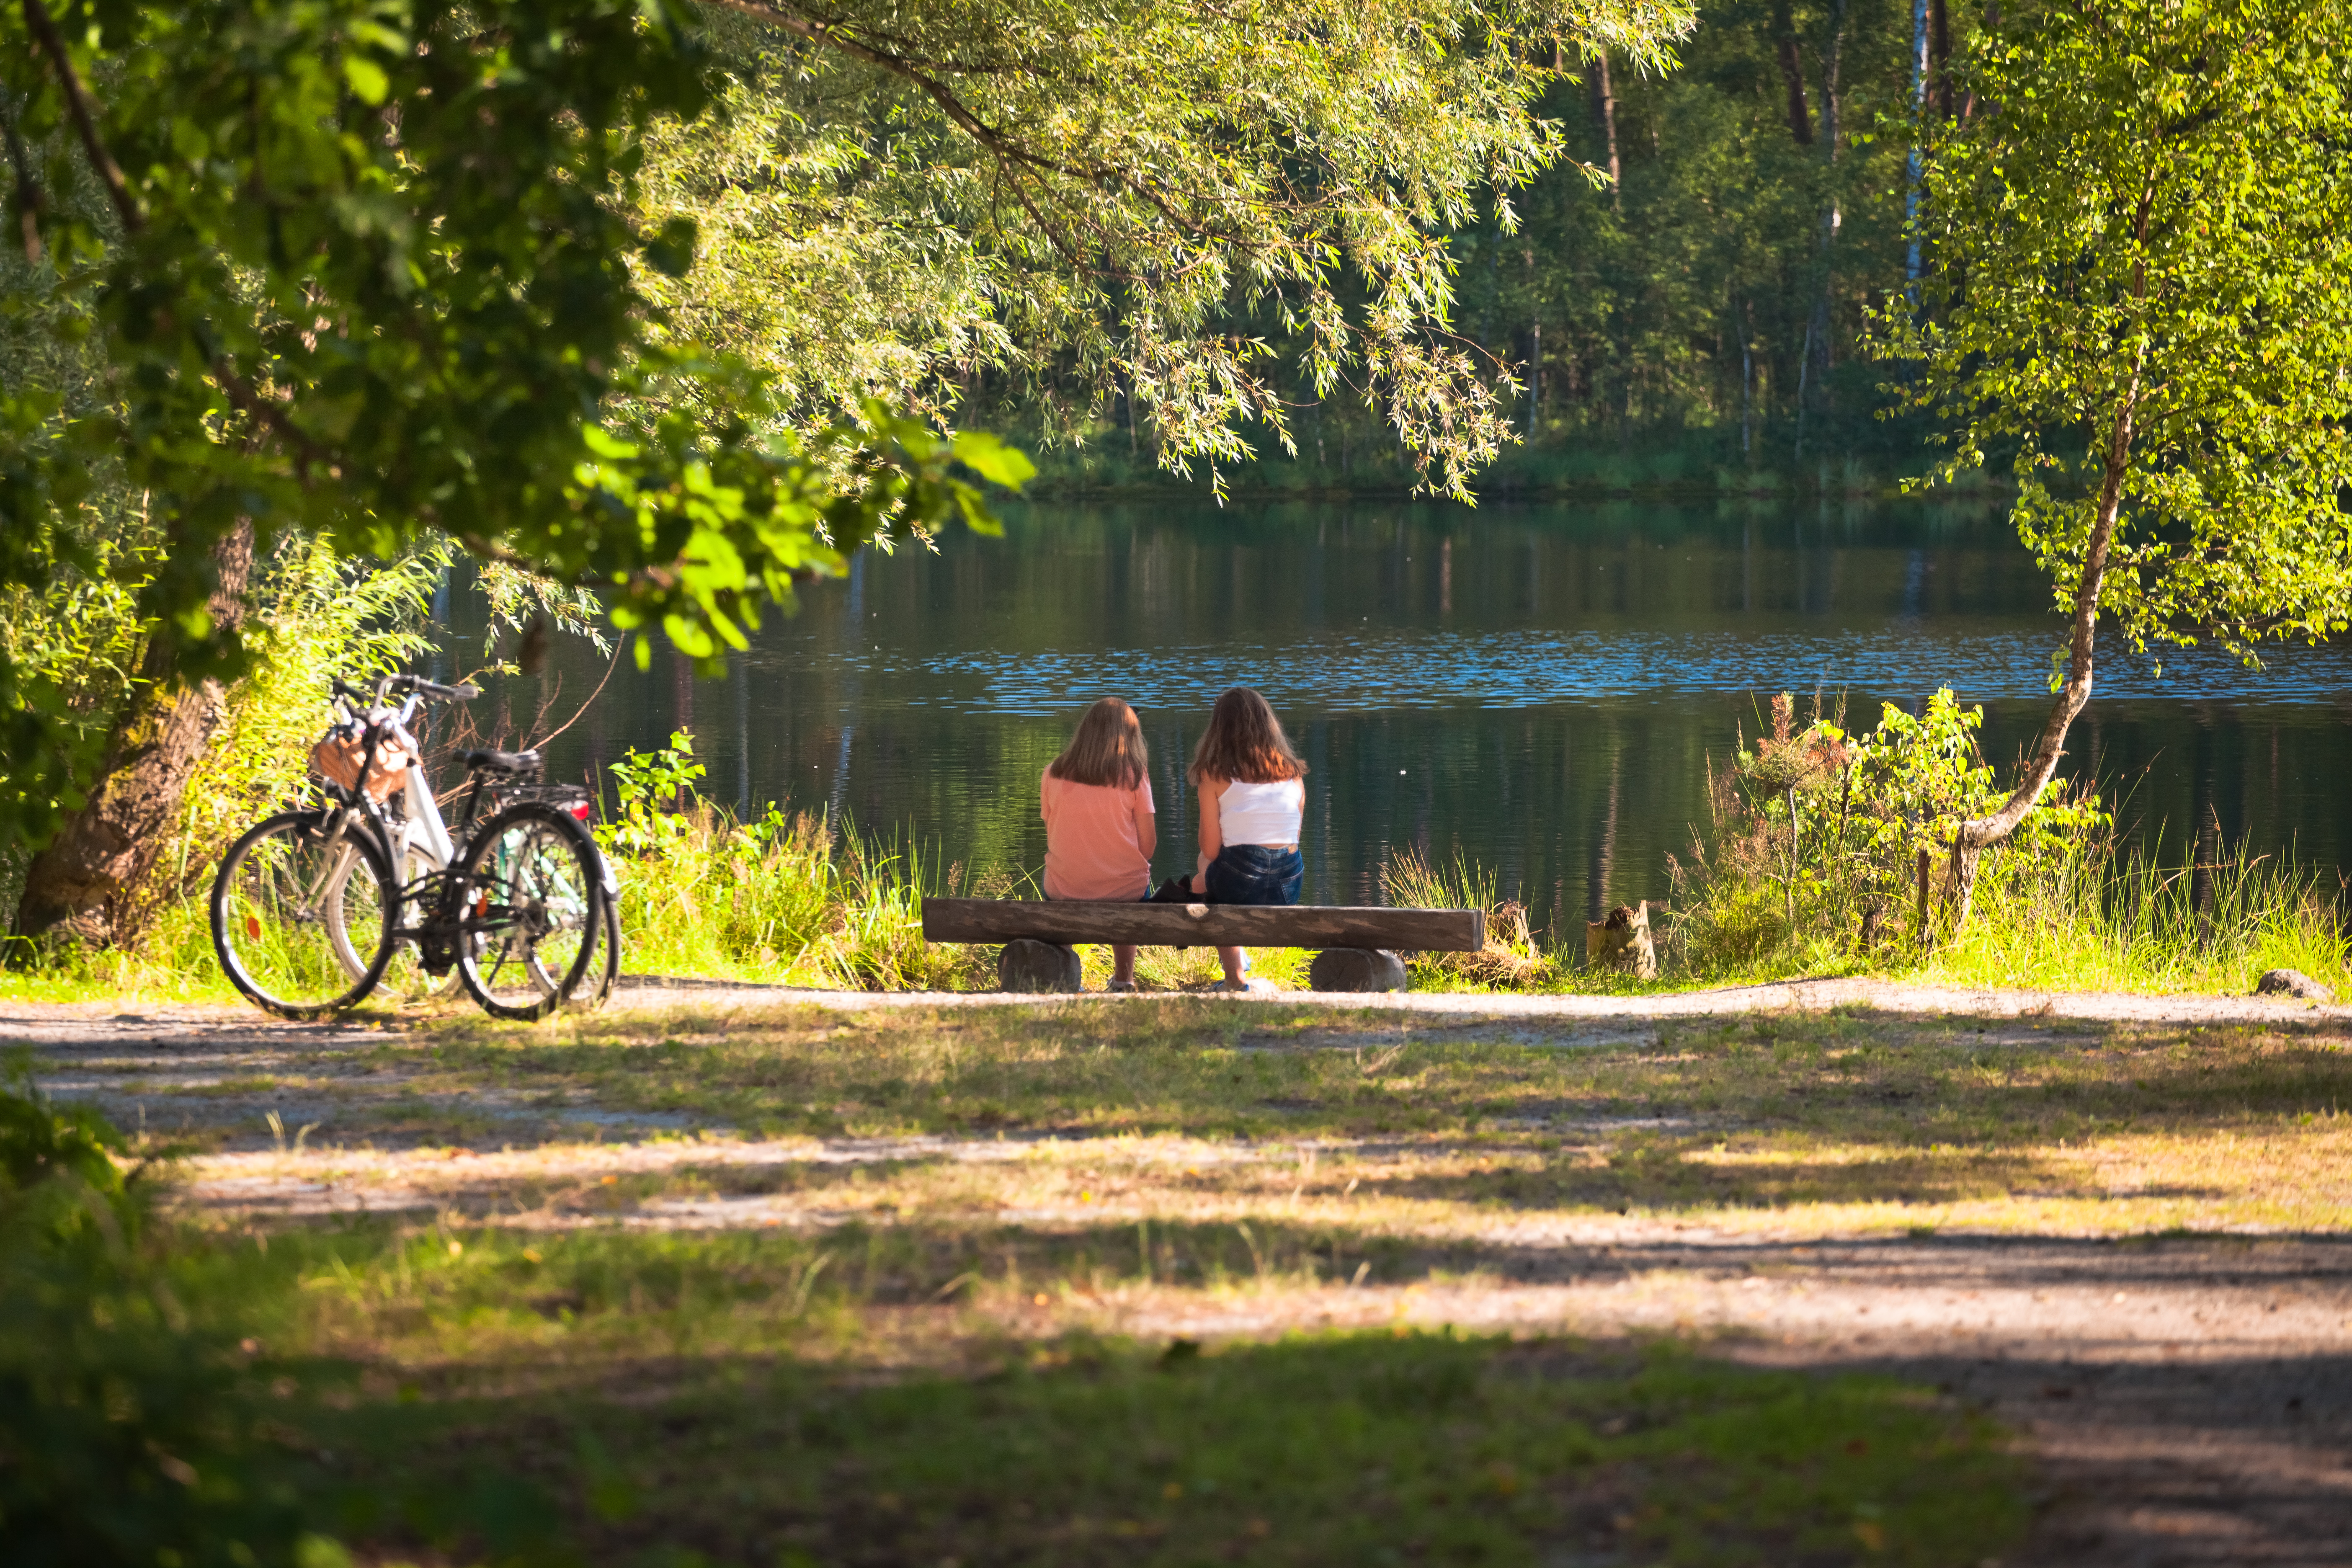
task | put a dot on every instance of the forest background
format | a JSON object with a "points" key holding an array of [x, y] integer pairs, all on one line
{"points": [[1679, 300]]}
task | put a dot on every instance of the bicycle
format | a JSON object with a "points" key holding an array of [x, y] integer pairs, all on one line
{"points": [[307, 909]]}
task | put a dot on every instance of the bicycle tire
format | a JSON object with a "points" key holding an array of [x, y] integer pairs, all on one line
{"points": [[281, 904], [533, 897], [607, 973]]}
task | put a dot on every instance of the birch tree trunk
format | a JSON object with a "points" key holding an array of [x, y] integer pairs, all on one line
{"points": [[1979, 834], [1604, 106]]}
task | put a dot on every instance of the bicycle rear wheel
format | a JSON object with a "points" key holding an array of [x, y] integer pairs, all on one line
{"points": [[604, 968], [296, 906], [534, 908]]}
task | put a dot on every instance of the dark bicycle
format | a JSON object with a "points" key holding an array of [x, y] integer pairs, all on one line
{"points": [[310, 907]]}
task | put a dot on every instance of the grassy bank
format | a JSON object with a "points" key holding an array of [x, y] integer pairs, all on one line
{"points": [[796, 900]]}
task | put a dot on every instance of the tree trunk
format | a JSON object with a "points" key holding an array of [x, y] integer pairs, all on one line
{"points": [[1940, 54], [1604, 106], [83, 879], [1980, 834], [1914, 168], [1812, 373], [1792, 73]]}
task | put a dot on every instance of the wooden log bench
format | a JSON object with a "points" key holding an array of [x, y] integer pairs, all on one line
{"points": [[1358, 947]]}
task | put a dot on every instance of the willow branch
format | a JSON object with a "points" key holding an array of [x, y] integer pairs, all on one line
{"points": [[961, 114], [85, 116]]}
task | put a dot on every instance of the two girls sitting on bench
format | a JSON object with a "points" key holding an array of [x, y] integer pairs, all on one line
{"points": [[1100, 828]]}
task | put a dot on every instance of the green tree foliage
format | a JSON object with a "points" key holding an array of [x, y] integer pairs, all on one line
{"points": [[2140, 246], [1706, 305], [1088, 203], [361, 268]]}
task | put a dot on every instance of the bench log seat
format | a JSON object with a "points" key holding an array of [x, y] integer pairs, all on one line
{"points": [[1358, 945]]}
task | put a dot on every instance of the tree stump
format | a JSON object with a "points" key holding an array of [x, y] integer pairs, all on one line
{"points": [[1030, 967], [1355, 969], [1623, 942]]}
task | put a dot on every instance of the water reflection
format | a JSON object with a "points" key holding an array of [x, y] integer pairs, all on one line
{"points": [[1540, 688]]}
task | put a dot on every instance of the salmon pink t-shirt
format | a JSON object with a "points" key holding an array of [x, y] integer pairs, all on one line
{"points": [[1094, 839]]}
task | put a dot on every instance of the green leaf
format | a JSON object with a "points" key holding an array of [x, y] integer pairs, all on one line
{"points": [[993, 461], [368, 79]]}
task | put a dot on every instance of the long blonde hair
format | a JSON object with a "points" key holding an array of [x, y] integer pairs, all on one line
{"points": [[1244, 744], [1108, 749]]}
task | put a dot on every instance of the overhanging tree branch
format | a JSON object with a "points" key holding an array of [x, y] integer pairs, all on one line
{"points": [[85, 116]]}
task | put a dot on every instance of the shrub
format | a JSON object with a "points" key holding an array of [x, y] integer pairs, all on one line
{"points": [[1818, 835], [1815, 857]]}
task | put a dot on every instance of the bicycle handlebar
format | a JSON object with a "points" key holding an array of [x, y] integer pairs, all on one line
{"points": [[407, 685]]}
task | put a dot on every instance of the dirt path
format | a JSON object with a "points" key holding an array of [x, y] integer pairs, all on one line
{"points": [[1879, 996], [2188, 1397]]}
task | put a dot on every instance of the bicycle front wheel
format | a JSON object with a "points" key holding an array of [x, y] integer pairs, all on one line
{"points": [[533, 911], [303, 916]]}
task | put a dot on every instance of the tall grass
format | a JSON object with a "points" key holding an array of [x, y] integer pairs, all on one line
{"points": [[788, 899], [2092, 920], [1515, 957]]}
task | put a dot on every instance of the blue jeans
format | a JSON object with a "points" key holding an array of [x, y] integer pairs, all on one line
{"points": [[1254, 874]]}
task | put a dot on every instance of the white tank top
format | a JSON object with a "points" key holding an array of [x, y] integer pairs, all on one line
{"points": [[1261, 813]]}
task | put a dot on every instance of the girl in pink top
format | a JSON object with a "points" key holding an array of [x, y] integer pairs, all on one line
{"points": [[1100, 834]]}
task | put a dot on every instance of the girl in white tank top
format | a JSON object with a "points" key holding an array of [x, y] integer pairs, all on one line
{"points": [[1252, 794]]}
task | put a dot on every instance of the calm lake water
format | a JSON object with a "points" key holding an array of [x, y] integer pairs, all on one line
{"points": [[1539, 689]]}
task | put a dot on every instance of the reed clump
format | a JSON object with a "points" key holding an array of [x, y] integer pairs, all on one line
{"points": [[786, 897], [1515, 957]]}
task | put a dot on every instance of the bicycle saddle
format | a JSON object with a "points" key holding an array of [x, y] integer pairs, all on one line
{"points": [[502, 762]]}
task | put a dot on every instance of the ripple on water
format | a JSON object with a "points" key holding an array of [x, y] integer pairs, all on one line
{"points": [[1525, 669]]}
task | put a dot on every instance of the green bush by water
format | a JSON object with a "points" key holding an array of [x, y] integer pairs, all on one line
{"points": [[1812, 868]]}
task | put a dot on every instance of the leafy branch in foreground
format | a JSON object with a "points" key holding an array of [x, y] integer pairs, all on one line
{"points": [[2143, 237], [361, 270]]}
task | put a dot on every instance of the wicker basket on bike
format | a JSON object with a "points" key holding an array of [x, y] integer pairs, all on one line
{"points": [[346, 760]]}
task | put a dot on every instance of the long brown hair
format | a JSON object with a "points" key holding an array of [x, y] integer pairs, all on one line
{"points": [[1244, 744], [1107, 750]]}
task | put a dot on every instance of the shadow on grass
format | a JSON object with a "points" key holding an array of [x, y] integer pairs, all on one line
{"points": [[1341, 1450], [1178, 1068]]}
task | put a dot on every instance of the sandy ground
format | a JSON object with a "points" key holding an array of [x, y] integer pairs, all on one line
{"points": [[2189, 1398]]}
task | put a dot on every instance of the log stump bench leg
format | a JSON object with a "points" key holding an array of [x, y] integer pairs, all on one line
{"points": [[1355, 969], [1030, 967]]}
